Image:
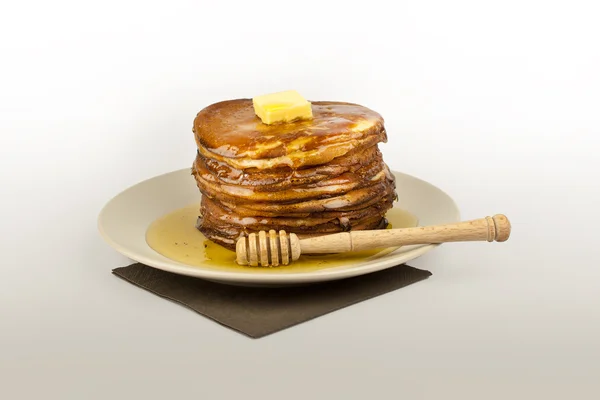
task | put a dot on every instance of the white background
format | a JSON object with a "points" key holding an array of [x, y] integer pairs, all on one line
{"points": [[497, 103]]}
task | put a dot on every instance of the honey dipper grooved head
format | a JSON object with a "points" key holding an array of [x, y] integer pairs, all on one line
{"points": [[267, 249]]}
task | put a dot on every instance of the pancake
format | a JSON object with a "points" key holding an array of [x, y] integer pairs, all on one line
{"points": [[309, 177], [225, 226], [230, 132], [368, 174], [274, 179]]}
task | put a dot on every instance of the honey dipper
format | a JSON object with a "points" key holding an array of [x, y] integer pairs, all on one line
{"points": [[279, 248]]}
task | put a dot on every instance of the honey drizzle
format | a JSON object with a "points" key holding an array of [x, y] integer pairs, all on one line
{"points": [[175, 236]]}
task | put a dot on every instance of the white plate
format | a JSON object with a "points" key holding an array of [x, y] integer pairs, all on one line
{"points": [[124, 220]]}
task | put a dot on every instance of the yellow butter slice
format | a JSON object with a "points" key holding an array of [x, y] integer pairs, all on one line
{"points": [[286, 106]]}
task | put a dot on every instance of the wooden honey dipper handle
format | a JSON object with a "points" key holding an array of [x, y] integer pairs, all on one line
{"points": [[496, 228], [279, 248]]}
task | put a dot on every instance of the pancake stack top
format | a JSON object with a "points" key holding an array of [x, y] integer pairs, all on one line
{"points": [[316, 176]]}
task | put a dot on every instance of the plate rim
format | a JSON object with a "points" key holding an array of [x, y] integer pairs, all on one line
{"points": [[387, 261]]}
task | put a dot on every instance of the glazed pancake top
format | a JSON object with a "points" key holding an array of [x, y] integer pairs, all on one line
{"points": [[230, 132]]}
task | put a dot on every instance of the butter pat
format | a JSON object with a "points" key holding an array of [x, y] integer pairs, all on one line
{"points": [[285, 106]]}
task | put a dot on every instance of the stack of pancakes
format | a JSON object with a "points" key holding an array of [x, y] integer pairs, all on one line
{"points": [[317, 176]]}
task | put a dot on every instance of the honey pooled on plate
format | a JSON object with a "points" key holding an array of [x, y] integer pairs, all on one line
{"points": [[175, 236]]}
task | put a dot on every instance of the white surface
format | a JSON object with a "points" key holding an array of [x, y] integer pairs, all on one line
{"points": [[123, 223], [503, 96]]}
